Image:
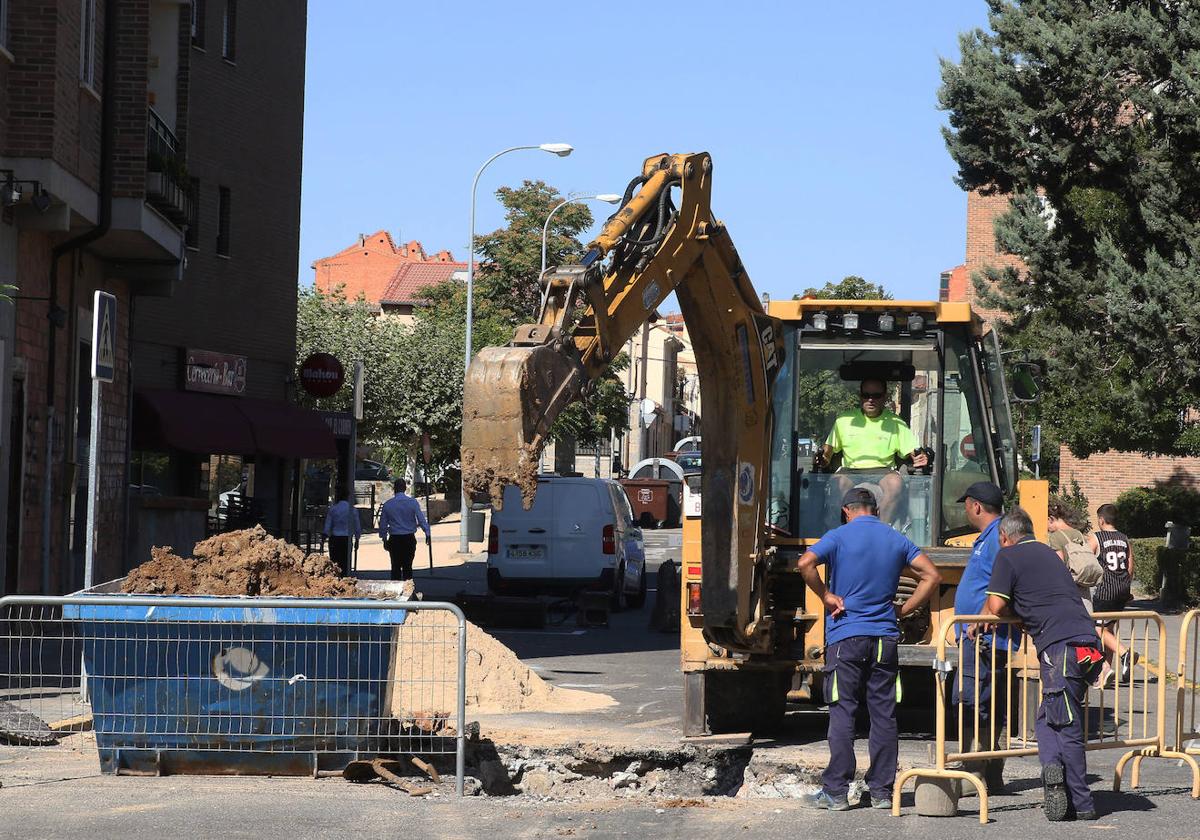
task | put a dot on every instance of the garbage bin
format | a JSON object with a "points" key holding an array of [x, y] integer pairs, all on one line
{"points": [[656, 502], [475, 525]]}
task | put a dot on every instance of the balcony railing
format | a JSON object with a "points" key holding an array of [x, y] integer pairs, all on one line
{"points": [[168, 188]]}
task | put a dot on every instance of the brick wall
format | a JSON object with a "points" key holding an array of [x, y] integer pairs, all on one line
{"points": [[982, 211], [129, 133], [244, 131], [1104, 477]]}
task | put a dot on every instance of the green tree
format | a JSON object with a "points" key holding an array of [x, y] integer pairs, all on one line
{"points": [[1086, 113], [850, 287]]}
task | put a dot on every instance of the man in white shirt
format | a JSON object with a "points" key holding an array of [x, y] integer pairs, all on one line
{"points": [[341, 521], [398, 522]]}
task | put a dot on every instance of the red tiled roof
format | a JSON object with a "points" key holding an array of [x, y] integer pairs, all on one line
{"points": [[371, 265], [411, 278]]}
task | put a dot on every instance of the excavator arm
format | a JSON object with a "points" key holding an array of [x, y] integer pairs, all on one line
{"points": [[647, 250]]}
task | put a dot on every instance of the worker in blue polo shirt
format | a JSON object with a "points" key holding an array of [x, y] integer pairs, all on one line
{"points": [[983, 504], [864, 559], [1031, 582]]}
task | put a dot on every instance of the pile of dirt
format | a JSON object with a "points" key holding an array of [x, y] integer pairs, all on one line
{"points": [[249, 562], [497, 681]]}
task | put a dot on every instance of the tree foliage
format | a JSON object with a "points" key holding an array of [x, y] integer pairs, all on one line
{"points": [[1087, 113], [850, 287]]}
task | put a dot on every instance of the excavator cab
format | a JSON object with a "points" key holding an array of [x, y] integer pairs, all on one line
{"points": [[942, 378]]}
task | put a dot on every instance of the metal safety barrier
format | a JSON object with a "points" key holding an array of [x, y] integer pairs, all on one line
{"points": [[1131, 715], [1187, 724], [234, 685]]}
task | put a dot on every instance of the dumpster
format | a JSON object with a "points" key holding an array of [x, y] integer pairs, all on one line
{"points": [[243, 691], [656, 502]]}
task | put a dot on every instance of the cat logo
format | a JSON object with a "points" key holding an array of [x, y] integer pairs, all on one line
{"points": [[238, 668]]}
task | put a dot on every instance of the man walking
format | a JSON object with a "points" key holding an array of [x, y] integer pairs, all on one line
{"points": [[398, 522], [1030, 582], [864, 559], [983, 504], [341, 522]]}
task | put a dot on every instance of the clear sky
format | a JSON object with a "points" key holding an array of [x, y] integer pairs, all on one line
{"points": [[821, 118]]}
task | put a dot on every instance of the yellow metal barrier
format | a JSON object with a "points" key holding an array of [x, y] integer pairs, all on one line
{"points": [[1187, 727], [1136, 710]]}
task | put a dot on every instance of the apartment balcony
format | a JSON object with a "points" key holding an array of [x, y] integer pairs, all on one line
{"points": [[168, 189]]}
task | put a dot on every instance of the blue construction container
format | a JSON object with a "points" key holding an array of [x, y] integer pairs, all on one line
{"points": [[233, 690]]}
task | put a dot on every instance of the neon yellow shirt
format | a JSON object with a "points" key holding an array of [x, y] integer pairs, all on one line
{"points": [[870, 443]]}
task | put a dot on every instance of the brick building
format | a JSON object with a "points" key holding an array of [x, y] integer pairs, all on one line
{"points": [[1104, 476], [386, 275], [113, 118]]}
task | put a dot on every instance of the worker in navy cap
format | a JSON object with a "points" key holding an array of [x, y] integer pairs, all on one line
{"points": [[984, 654], [864, 559]]}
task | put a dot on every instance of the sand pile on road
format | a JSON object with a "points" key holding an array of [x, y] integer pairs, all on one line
{"points": [[497, 682], [249, 562]]}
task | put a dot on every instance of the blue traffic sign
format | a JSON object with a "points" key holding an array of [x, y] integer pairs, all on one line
{"points": [[104, 337]]}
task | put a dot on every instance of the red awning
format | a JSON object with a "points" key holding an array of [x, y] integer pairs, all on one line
{"points": [[288, 431], [210, 424]]}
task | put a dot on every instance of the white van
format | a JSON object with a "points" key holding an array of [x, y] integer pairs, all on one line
{"points": [[579, 534]]}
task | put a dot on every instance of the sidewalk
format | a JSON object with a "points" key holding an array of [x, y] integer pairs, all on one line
{"points": [[373, 561]]}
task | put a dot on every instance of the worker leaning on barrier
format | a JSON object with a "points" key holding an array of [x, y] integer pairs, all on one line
{"points": [[864, 559], [1030, 582]]}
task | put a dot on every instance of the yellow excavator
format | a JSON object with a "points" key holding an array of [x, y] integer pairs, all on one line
{"points": [[772, 379]]}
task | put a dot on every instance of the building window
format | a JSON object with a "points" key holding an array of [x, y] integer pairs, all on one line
{"points": [[87, 42], [198, 23], [4, 24], [223, 222], [944, 288], [229, 31], [192, 235]]}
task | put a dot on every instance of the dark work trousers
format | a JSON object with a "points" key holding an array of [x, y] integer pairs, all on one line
{"points": [[401, 549], [339, 553], [857, 669], [1060, 719], [970, 695]]}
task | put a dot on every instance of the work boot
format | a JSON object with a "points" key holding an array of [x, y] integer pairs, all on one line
{"points": [[1055, 802], [825, 801], [993, 775], [882, 802]]}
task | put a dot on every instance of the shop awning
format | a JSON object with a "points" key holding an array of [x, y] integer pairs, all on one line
{"points": [[210, 424]]}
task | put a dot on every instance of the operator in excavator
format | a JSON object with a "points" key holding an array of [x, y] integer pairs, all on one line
{"points": [[871, 439]]}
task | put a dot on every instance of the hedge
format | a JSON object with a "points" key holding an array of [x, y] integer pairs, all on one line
{"points": [[1144, 511], [1150, 554]]}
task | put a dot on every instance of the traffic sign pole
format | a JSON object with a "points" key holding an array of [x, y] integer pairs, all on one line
{"points": [[104, 362]]}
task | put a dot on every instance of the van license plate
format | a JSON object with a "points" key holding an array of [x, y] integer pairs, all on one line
{"points": [[525, 552]]}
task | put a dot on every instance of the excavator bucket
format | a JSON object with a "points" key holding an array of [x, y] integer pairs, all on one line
{"points": [[511, 398]]}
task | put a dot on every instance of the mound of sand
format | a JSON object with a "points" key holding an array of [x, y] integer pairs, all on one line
{"points": [[249, 562], [497, 682]]}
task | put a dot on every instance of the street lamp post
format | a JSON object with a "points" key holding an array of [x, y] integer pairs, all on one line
{"points": [[560, 149], [609, 198]]}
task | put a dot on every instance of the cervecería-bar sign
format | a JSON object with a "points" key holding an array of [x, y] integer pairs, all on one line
{"points": [[216, 373]]}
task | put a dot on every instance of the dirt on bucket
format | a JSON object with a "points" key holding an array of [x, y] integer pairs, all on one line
{"points": [[249, 562]]}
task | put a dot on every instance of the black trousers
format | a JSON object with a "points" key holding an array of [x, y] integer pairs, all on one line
{"points": [[401, 549], [862, 669], [339, 553]]}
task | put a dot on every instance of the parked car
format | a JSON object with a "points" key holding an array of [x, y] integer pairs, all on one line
{"points": [[579, 534], [371, 471]]}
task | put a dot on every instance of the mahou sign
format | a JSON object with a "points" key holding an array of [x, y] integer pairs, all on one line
{"points": [[322, 375]]}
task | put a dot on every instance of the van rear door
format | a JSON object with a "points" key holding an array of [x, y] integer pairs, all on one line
{"points": [[580, 516], [525, 535]]}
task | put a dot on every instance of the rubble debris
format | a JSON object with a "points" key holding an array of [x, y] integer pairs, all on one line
{"points": [[248, 563]]}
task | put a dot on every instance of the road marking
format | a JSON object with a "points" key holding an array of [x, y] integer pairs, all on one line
{"points": [[645, 706], [135, 809]]}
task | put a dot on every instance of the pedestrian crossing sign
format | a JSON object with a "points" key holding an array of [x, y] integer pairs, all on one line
{"points": [[104, 337]]}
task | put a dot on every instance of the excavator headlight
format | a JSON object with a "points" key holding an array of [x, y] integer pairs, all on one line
{"points": [[820, 321], [850, 321], [887, 323], [916, 324]]}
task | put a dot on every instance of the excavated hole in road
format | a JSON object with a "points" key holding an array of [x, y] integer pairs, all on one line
{"points": [[674, 775]]}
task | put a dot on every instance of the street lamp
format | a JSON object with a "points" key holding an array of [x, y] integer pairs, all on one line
{"points": [[560, 149], [610, 198]]}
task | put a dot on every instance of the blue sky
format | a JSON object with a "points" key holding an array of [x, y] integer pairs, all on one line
{"points": [[821, 119]]}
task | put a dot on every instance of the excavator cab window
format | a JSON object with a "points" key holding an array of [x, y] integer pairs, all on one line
{"points": [[931, 385]]}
